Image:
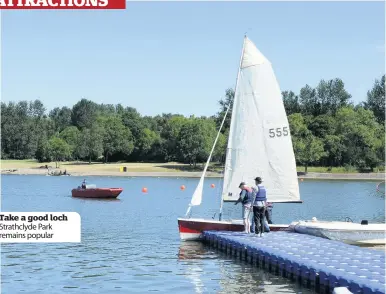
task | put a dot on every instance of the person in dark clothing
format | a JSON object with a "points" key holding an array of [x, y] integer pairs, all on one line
{"points": [[268, 212], [84, 184], [259, 206], [246, 200], [268, 218]]}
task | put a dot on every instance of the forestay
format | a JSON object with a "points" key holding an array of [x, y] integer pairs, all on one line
{"points": [[197, 195], [259, 141]]}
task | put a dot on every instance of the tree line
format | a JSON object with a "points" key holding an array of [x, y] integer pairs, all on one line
{"points": [[327, 129]]}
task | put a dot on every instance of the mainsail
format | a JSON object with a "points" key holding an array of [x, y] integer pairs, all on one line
{"points": [[259, 141]]}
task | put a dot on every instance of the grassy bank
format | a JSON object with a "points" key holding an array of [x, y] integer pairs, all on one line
{"points": [[80, 167], [172, 169], [334, 170], [74, 166]]}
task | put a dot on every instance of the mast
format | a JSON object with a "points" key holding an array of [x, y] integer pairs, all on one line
{"points": [[232, 119]]}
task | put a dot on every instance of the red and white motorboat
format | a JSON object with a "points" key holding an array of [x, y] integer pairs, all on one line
{"points": [[259, 144], [91, 191]]}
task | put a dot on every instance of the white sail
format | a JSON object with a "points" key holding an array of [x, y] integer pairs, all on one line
{"points": [[259, 141], [197, 195]]}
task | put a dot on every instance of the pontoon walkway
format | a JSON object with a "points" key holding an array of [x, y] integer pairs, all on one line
{"points": [[316, 262]]}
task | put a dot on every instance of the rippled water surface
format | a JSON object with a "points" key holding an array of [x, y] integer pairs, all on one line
{"points": [[131, 245]]}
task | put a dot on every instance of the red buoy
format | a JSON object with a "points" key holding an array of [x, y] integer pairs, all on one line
{"points": [[212, 185], [182, 187], [144, 190]]}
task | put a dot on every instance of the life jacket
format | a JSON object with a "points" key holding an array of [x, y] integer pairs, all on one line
{"points": [[248, 197], [260, 195]]}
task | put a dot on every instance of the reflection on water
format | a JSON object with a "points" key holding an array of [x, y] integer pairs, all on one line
{"points": [[131, 244], [235, 276], [96, 199], [192, 250]]}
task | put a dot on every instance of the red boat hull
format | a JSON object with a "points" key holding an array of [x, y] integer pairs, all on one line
{"points": [[97, 193], [191, 229]]}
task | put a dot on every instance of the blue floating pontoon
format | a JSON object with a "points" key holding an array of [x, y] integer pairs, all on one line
{"points": [[320, 262]]}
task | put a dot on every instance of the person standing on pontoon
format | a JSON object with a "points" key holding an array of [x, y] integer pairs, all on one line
{"points": [[259, 206], [267, 219], [246, 200], [266, 222]]}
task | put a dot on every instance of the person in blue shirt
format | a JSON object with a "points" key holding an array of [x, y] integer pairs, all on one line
{"points": [[246, 199], [259, 206]]}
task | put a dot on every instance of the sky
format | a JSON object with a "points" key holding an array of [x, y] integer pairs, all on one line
{"points": [[180, 57]]}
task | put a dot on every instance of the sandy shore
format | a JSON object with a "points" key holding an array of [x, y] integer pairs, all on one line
{"points": [[93, 171], [181, 174]]}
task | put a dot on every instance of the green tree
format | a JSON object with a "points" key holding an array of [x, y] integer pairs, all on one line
{"points": [[291, 102], [36, 109], [106, 109], [196, 139], [224, 104], [326, 98], [331, 95], [43, 151], [297, 125], [361, 135], [335, 148], [308, 100], [115, 136], [350, 135], [21, 126], [84, 113], [61, 117], [58, 149], [376, 100], [90, 143], [71, 135], [321, 125], [310, 150], [219, 153], [146, 142], [170, 136], [132, 120]]}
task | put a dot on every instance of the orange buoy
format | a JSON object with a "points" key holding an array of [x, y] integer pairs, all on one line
{"points": [[144, 190], [212, 186], [182, 187]]}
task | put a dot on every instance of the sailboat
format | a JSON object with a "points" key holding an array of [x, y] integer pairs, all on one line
{"points": [[259, 144]]}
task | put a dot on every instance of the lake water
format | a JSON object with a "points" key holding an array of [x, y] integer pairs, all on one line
{"points": [[132, 245]]}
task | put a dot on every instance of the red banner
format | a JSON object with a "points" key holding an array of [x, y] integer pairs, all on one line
{"points": [[62, 4]]}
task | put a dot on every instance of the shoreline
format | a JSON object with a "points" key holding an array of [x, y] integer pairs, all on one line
{"points": [[187, 174]]}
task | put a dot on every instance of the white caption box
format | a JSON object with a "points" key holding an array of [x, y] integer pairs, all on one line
{"points": [[40, 227]]}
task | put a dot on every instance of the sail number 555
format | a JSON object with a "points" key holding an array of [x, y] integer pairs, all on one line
{"points": [[278, 132]]}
